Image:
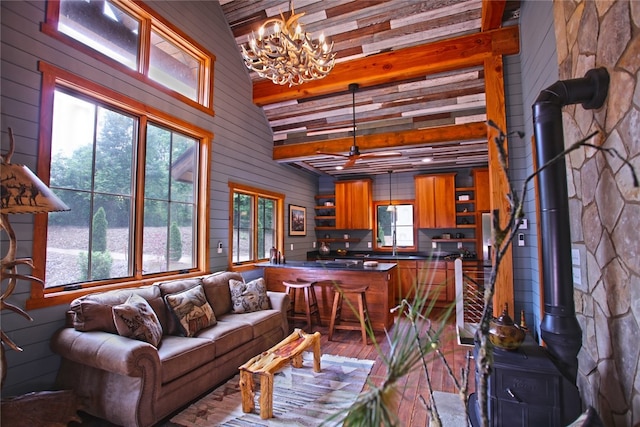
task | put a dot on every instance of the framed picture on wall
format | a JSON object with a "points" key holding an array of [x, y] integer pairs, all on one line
{"points": [[297, 220]]}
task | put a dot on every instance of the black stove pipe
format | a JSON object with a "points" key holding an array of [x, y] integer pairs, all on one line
{"points": [[559, 327]]}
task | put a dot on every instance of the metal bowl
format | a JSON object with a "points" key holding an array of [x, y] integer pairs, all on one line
{"points": [[341, 251]]}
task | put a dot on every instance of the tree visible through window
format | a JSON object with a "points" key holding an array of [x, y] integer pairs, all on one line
{"points": [[95, 150]]}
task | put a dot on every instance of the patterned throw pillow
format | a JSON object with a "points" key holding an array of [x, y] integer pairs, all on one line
{"points": [[192, 310], [248, 297], [136, 319]]}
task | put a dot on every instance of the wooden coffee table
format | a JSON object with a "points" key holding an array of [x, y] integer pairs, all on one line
{"points": [[266, 364]]}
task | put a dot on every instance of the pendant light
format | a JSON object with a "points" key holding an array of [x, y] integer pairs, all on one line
{"points": [[390, 208]]}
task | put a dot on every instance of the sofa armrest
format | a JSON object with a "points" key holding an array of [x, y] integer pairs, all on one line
{"points": [[108, 352], [281, 301]]}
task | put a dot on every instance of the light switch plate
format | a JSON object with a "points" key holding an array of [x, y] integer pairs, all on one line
{"points": [[292, 246], [369, 245]]}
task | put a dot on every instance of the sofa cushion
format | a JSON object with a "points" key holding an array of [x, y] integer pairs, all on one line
{"points": [[228, 335], [172, 287], [248, 297], [191, 309], [260, 322], [136, 319], [179, 355], [216, 287], [93, 312]]}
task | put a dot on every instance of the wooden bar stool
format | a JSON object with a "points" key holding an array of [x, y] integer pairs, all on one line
{"points": [[310, 302], [337, 322]]}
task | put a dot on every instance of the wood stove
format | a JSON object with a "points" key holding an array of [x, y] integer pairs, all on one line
{"points": [[535, 386], [526, 389]]}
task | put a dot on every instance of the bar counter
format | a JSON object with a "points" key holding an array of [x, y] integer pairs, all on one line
{"points": [[381, 280]]}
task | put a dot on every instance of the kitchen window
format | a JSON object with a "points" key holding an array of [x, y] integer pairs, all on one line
{"points": [[136, 181], [256, 225], [394, 226], [132, 38]]}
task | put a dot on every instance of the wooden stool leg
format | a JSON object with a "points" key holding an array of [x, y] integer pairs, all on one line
{"points": [[246, 391], [307, 300], [362, 312], [337, 297], [315, 306], [317, 354], [266, 396]]}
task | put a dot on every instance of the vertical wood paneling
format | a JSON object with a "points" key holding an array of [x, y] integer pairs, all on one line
{"points": [[539, 69], [241, 149]]}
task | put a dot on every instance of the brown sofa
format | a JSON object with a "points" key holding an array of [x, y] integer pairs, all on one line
{"points": [[132, 383]]}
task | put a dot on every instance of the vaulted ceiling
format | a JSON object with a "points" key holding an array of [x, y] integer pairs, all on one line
{"points": [[419, 65]]}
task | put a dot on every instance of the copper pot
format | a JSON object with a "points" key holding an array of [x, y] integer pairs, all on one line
{"points": [[505, 334]]}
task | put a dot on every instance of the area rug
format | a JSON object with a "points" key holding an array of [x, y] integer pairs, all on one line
{"points": [[301, 397]]}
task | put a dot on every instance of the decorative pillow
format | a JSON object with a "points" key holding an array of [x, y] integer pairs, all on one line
{"points": [[248, 297], [192, 310], [136, 319]]}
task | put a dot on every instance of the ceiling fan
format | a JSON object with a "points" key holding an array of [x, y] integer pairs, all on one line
{"points": [[354, 151]]}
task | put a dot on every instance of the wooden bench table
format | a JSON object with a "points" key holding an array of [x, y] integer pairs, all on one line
{"points": [[266, 364]]}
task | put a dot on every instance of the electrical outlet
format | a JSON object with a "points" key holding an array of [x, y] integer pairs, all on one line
{"points": [[314, 245], [459, 245], [346, 245], [292, 246], [521, 239], [434, 245], [369, 245]]}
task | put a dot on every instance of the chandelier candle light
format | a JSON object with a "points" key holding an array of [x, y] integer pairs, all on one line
{"points": [[288, 54]]}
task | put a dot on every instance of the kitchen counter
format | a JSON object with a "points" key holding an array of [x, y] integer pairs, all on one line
{"points": [[346, 264], [381, 281], [358, 255]]}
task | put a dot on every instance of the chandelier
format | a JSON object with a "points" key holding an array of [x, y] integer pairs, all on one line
{"points": [[288, 54]]}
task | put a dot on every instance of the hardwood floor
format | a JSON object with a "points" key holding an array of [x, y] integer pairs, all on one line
{"points": [[413, 387]]}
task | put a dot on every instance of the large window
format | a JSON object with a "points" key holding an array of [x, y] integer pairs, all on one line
{"points": [[136, 183], [130, 36], [394, 226], [256, 224]]}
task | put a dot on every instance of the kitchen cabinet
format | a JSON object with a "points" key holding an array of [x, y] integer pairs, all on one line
{"points": [[428, 277], [481, 183], [354, 200], [432, 277], [435, 200]]}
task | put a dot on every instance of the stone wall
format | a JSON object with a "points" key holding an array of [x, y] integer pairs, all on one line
{"points": [[604, 205]]}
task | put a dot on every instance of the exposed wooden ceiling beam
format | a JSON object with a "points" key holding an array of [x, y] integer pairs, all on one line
{"points": [[492, 11], [398, 65], [390, 140]]}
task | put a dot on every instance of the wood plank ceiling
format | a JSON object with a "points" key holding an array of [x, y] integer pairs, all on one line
{"points": [[419, 65]]}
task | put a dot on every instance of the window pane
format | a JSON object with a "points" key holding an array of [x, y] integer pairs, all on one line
{"points": [[67, 238], [400, 220], [72, 142], [114, 152], [242, 218], [173, 67], [102, 26], [266, 226], [92, 171], [171, 165]]}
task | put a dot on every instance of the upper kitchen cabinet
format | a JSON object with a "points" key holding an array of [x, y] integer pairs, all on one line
{"points": [[436, 200], [353, 204], [481, 182]]}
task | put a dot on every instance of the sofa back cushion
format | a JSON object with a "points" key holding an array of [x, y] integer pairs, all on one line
{"points": [[173, 287], [216, 288], [94, 312]]}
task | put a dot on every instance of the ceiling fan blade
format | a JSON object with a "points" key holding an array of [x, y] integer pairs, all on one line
{"points": [[351, 161]]}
